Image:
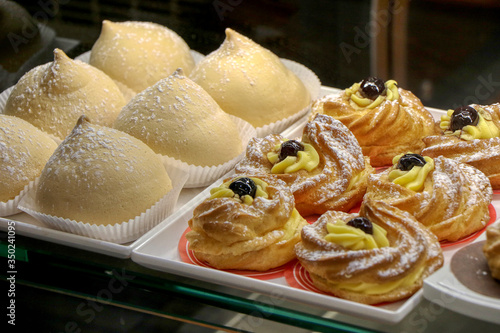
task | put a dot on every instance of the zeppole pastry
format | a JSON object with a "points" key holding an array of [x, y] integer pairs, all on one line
{"points": [[99, 175], [24, 150], [177, 118], [250, 82], [448, 197], [53, 96], [248, 222], [491, 249], [138, 54], [470, 134], [382, 254], [385, 118], [326, 170]]}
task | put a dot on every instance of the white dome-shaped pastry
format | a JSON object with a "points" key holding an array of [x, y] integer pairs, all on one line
{"points": [[54, 95], [177, 118], [99, 175], [250, 82], [24, 150], [139, 54]]}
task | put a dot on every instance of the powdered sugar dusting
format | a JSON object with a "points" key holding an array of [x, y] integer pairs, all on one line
{"points": [[341, 160], [24, 150], [54, 95]]}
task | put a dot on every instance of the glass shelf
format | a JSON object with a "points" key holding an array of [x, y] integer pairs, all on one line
{"points": [[59, 286]]}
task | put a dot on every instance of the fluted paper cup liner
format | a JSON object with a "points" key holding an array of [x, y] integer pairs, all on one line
{"points": [[200, 176], [10, 207], [119, 233], [311, 82], [4, 96]]}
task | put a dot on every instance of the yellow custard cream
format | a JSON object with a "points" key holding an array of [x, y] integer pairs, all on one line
{"points": [[223, 191], [391, 94], [308, 160], [413, 179], [354, 238], [375, 288], [485, 128]]}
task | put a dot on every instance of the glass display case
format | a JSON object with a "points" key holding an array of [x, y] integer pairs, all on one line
{"points": [[447, 52]]}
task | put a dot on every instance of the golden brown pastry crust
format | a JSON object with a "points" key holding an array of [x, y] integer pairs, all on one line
{"points": [[138, 54], [491, 249], [327, 186], [24, 150], [387, 130], [412, 249], [483, 154], [177, 118], [229, 234], [250, 82], [453, 203], [53, 96], [99, 175]]}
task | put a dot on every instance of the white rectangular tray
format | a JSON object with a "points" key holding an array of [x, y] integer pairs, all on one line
{"points": [[161, 252], [26, 225]]}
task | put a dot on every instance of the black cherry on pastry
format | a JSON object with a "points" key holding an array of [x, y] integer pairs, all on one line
{"points": [[408, 161], [243, 186], [361, 223], [372, 87], [290, 148], [463, 116]]}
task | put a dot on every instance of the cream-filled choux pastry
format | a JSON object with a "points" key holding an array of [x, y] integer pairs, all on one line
{"points": [[491, 249], [24, 150], [53, 96], [178, 119], [470, 134], [247, 223], [326, 169], [382, 254], [250, 82], [385, 118], [100, 176], [138, 54], [450, 198]]}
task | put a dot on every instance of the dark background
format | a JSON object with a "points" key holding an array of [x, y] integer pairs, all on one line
{"points": [[452, 47]]}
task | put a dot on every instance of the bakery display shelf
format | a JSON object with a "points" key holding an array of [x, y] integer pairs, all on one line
{"points": [[158, 250], [163, 252]]}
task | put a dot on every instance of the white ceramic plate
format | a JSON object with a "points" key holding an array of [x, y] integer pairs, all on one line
{"points": [[445, 289], [26, 225]]}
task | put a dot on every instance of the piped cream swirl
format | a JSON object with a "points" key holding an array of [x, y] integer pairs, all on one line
{"points": [[485, 128], [339, 232], [391, 94], [308, 160], [412, 179]]}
